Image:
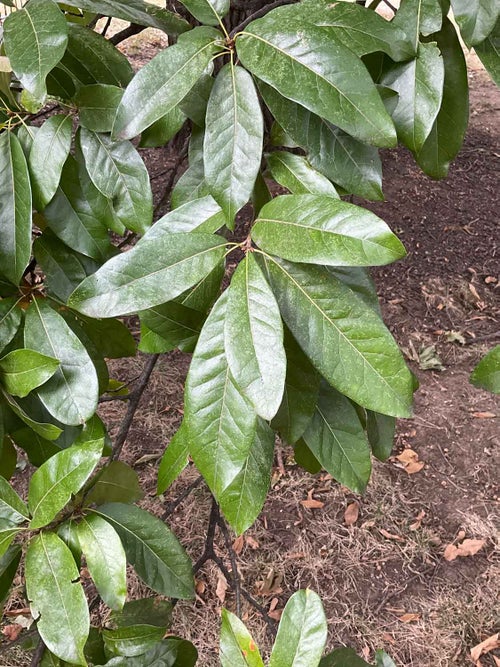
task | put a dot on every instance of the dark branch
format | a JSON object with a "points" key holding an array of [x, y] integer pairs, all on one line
{"points": [[38, 654], [133, 29], [172, 506], [236, 583], [258, 14]]}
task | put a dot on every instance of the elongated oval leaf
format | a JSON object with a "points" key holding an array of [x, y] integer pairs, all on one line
{"points": [[62, 476], [133, 640], [10, 320], [322, 230], [137, 11], [209, 12], [488, 52], [15, 212], [44, 429], [178, 325], [237, 647], [234, 133], [163, 129], [296, 174], [174, 460], [306, 65], [48, 154], [7, 534], [171, 652], [344, 338], [23, 370], [487, 373], [253, 338], [117, 483], [35, 40], [97, 105], [380, 430], [153, 550], [12, 509], [71, 393], [161, 84], [105, 558], [418, 17], [9, 563], [56, 597], [476, 19]]}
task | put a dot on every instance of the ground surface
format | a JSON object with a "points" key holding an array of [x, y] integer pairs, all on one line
{"points": [[384, 580]]}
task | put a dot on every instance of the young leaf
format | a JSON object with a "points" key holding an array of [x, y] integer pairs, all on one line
{"points": [[56, 597], [35, 39], [237, 647], [105, 558], [15, 212], [137, 11], [253, 338], [10, 320], [174, 460], [97, 105], [296, 174], [71, 393], [133, 640], [343, 337], [337, 439], [21, 371], [476, 19], [152, 549], [380, 430], [12, 509], [322, 230], [9, 563], [232, 149], [302, 632], [58, 479], [209, 12], [305, 64], [48, 154], [487, 373], [117, 483], [68, 532], [161, 84]]}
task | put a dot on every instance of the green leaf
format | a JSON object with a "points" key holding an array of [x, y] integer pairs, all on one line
{"points": [[380, 430], [58, 479], [419, 84], [56, 597], [159, 268], [220, 421], [237, 647], [23, 370], [322, 230], [174, 460], [234, 133], [161, 84], [305, 458], [242, 501], [97, 105], [118, 172], [71, 393], [489, 53], [133, 640], [171, 652], [209, 12], [383, 660], [302, 632], [418, 17], [346, 341], [296, 174], [68, 532], [355, 166], [337, 439], [162, 130], [35, 40], [152, 343], [301, 393], [145, 611], [15, 212], [7, 534], [194, 104], [48, 154], [305, 64], [448, 131], [253, 338], [105, 559], [178, 325], [117, 483], [487, 373], [110, 336], [152, 549], [8, 458], [192, 185], [12, 509], [360, 281], [10, 320], [475, 19], [343, 657], [45, 430], [9, 563]]}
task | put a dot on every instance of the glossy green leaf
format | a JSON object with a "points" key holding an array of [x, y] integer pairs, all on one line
{"points": [[209, 12], [203, 295], [337, 439], [71, 393], [322, 230], [12, 509], [161, 84], [152, 549], [8, 458], [232, 149], [116, 483], [144, 611], [174, 460], [475, 19], [171, 652], [194, 104], [9, 563], [7, 534], [419, 84], [237, 647], [133, 640], [10, 320], [302, 632], [21, 371], [97, 105], [360, 281], [220, 421], [355, 166], [178, 325], [346, 341], [68, 532], [152, 343], [162, 130], [487, 373], [489, 53], [448, 131], [304, 63], [418, 17], [296, 174], [44, 429], [35, 39], [48, 154], [105, 559], [343, 657], [118, 172], [253, 339], [56, 597], [192, 184], [300, 395], [63, 269], [380, 430], [305, 458], [383, 660], [15, 212], [54, 483], [110, 336], [158, 269]]}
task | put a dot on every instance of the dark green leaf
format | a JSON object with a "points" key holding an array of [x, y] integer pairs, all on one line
{"points": [[35, 40], [9, 563], [152, 343], [62, 267], [207, 11], [68, 532], [191, 185], [171, 652], [305, 458], [380, 430], [97, 105], [177, 325], [487, 373], [237, 647], [489, 53], [133, 640], [162, 130], [145, 611], [296, 174], [15, 212], [174, 460], [44, 429], [343, 657], [8, 458], [305, 64], [10, 320], [110, 336], [360, 281], [475, 19], [23, 370], [7, 534], [117, 483], [418, 17], [12, 509], [56, 597], [153, 550], [194, 104]]}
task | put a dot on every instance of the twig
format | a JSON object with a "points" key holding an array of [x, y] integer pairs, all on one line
{"points": [[133, 29], [38, 654], [257, 15], [107, 399], [234, 566], [106, 27], [173, 173], [172, 506]]}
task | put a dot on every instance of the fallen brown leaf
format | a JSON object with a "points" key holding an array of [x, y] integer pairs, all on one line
{"points": [[489, 644], [410, 461], [388, 638], [484, 415], [352, 513], [466, 548], [391, 536], [200, 587], [252, 543], [238, 545], [311, 503], [409, 618], [221, 589], [418, 521], [12, 631], [273, 612]]}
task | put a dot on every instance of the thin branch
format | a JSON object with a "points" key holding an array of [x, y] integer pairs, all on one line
{"points": [[236, 582], [38, 654], [172, 506], [133, 29], [258, 14], [108, 399], [173, 173]]}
